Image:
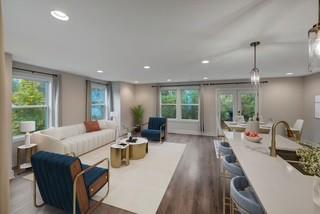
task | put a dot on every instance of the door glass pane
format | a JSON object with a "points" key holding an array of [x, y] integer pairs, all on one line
{"points": [[226, 107], [248, 105]]}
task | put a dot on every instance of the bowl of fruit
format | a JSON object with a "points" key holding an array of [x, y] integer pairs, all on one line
{"points": [[252, 136]]}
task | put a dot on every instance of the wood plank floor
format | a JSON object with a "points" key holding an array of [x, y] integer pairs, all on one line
{"points": [[194, 187]]}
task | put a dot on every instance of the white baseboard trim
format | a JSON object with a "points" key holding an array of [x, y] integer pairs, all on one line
{"points": [[190, 132]]}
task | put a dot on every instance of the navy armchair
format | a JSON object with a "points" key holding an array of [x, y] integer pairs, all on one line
{"points": [[157, 129], [67, 184]]}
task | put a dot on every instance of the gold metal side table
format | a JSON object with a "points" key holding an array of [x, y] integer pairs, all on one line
{"points": [[119, 154], [27, 151]]}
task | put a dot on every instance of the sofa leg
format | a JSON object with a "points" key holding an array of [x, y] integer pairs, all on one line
{"points": [[35, 193]]}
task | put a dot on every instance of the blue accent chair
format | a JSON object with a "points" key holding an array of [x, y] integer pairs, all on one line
{"points": [[67, 184], [243, 197], [157, 129]]}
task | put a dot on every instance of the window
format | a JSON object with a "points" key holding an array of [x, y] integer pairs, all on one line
{"points": [[189, 104], [31, 101], [169, 103], [98, 101], [180, 103]]}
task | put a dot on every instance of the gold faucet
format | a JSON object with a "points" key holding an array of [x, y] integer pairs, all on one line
{"points": [[273, 152]]}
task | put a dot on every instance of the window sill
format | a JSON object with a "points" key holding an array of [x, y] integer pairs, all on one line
{"points": [[18, 139], [183, 120]]}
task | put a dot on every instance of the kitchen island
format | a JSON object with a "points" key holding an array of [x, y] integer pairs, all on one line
{"points": [[280, 188]]}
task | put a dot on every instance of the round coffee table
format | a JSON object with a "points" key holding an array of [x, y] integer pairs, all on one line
{"points": [[138, 149]]}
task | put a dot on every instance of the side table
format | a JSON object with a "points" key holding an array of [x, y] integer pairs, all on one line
{"points": [[119, 154], [27, 151]]}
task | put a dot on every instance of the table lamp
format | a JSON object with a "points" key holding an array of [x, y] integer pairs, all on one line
{"points": [[27, 127]]}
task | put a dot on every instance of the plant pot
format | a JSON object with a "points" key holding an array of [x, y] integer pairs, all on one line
{"points": [[137, 128]]}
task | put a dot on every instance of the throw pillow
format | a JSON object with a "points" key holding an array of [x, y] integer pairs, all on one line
{"points": [[91, 126]]}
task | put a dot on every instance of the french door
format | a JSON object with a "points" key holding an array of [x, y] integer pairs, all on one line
{"points": [[232, 101]]}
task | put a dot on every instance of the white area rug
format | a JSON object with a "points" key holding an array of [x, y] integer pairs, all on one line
{"points": [[139, 187]]}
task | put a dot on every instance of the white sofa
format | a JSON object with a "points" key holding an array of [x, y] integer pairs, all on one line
{"points": [[74, 138]]}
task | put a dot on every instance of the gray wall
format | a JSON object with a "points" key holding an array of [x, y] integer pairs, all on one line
{"points": [[311, 130], [281, 99], [73, 99]]}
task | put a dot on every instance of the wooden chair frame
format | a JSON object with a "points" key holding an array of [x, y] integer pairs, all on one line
{"points": [[74, 209]]}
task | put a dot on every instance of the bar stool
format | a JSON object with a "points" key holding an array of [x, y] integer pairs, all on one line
{"points": [[229, 165], [244, 199], [224, 149]]}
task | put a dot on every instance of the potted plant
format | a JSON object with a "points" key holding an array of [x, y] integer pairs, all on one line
{"points": [[137, 113]]}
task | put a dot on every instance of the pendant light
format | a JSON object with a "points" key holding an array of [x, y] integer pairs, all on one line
{"points": [[254, 74], [314, 45]]}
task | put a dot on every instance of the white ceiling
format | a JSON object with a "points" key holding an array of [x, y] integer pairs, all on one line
{"points": [[172, 36]]}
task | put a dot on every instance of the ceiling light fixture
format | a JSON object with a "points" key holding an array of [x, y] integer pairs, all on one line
{"points": [[289, 74], [136, 82], [100, 71], [205, 61], [314, 45], [205, 78], [255, 74], [169, 80], [59, 15], [146, 67]]}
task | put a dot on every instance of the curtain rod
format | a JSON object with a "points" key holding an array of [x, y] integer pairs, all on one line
{"points": [[211, 83], [32, 71], [97, 82]]}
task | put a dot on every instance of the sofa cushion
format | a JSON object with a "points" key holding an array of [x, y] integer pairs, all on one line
{"points": [[88, 141], [61, 133], [95, 179], [107, 124], [91, 126]]}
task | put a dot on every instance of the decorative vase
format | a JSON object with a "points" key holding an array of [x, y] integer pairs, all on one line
{"points": [[129, 135], [316, 191], [253, 126]]}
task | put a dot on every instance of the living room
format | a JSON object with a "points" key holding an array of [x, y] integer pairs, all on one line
{"points": [[146, 95]]}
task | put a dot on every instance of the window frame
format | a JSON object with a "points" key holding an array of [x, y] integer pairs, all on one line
{"points": [[176, 105], [179, 103], [48, 99], [105, 104]]}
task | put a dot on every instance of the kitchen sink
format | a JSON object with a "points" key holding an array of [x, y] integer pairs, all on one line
{"points": [[292, 158]]}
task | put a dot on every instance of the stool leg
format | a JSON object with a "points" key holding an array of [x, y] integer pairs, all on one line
{"points": [[224, 191]]}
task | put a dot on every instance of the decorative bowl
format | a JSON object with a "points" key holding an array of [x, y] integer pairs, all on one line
{"points": [[254, 139]]}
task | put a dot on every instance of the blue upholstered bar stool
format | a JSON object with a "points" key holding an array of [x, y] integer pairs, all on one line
{"points": [[224, 149], [230, 169], [244, 199]]}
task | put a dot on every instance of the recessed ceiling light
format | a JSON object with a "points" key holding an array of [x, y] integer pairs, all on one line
{"points": [[205, 78], [169, 80], [59, 15], [205, 61], [100, 71], [136, 82], [146, 67], [289, 74]]}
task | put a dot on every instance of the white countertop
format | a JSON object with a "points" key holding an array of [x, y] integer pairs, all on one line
{"points": [[280, 188]]}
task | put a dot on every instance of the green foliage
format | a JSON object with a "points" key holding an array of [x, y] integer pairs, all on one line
{"points": [[226, 107], [310, 157], [28, 93], [169, 96], [169, 111], [190, 96], [137, 112], [248, 103]]}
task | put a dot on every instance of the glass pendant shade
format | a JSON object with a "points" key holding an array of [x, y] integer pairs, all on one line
{"points": [[255, 73], [255, 76], [314, 48]]}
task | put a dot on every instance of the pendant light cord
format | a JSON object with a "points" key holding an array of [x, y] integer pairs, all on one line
{"points": [[255, 56]]}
